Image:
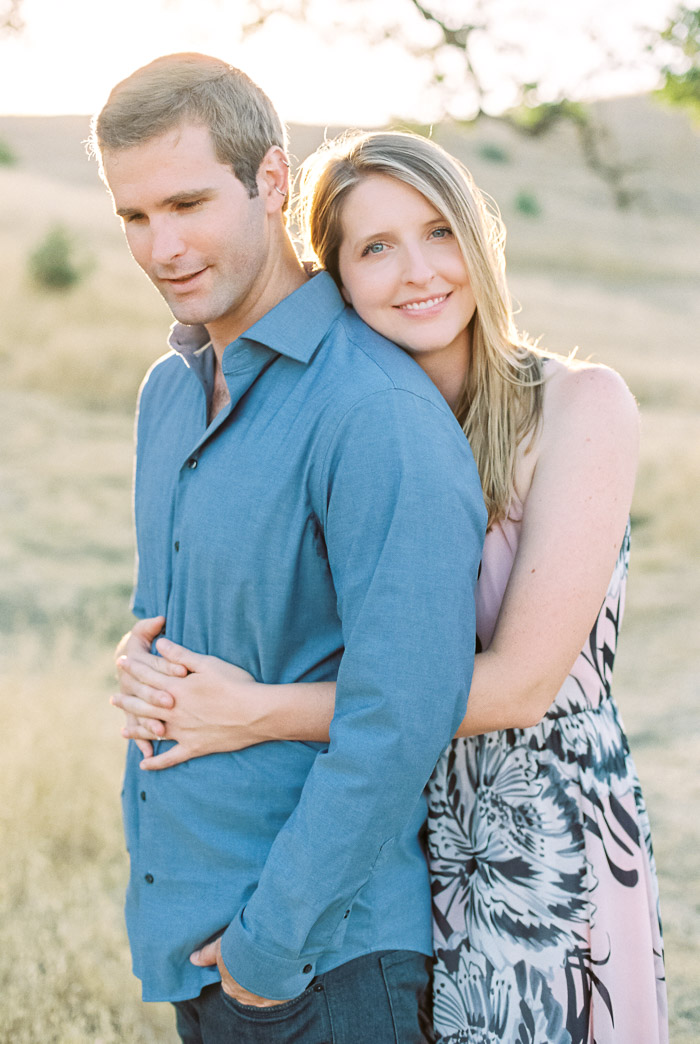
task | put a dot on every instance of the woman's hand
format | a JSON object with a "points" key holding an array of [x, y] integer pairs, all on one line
{"points": [[142, 677], [202, 703]]}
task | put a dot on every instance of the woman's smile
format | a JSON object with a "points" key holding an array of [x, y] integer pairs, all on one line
{"points": [[402, 270]]}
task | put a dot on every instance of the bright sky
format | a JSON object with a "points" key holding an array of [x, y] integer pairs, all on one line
{"points": [[73, 51]]}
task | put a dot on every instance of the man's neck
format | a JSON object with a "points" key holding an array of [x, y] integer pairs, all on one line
{"points": [[283, 276]]}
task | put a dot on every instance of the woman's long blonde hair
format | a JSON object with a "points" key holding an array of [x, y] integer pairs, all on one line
{"points": [[501, 401]]}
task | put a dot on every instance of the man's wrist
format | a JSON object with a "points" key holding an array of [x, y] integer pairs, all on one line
{"points": [[266, 974]]}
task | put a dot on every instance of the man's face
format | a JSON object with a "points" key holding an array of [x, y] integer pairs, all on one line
{"points": [[192, 227]]}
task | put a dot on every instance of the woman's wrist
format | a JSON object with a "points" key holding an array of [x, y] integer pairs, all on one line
{"points": [[299, 712]]}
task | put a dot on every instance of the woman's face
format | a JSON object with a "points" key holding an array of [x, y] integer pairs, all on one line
{"points": [[403, 272]]}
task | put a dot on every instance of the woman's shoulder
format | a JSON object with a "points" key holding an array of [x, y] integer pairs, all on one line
{"points": [[583, 405], [586, 392]]}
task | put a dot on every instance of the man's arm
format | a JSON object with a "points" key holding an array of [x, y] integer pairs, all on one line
{"points": [[403, 518]]}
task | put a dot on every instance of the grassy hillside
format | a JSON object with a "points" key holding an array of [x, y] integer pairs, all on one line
{"points": [[621, 285]]}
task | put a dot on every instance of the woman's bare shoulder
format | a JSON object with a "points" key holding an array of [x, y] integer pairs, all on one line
{"points": [[586, 393], [584, 405]]}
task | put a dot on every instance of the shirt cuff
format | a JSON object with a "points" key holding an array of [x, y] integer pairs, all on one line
{"points": [[266, 974]]}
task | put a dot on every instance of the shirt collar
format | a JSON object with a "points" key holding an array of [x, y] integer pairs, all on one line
{"points": [[295, 327]]}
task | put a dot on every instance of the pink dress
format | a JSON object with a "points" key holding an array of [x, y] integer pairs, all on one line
{"points": [[545, 897]]}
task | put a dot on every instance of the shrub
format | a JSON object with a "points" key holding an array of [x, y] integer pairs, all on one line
{"points": [[528, 204], [53, 265], [7, 156], [493, 153]]}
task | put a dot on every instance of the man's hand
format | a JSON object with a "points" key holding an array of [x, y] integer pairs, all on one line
{"points": [[211, 954]]}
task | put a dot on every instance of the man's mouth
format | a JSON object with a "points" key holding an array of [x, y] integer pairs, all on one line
{"points": [[182, 280]]}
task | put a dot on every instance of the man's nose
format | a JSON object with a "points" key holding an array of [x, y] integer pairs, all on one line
{"points": [[167, 243]]}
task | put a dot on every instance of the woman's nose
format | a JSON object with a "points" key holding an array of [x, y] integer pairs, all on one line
{"points": [[417, 268]]}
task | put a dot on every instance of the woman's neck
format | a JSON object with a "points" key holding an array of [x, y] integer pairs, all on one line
{"points": [[447, 370]]}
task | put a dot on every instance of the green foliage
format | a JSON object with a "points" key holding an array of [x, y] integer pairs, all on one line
{"points": [[7, 156], [527, 203], [536, 119], [53, 265], [683, 90], [493, 153], [682, 73]]}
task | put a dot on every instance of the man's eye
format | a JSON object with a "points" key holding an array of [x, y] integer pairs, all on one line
{"points": [[189, 204]]}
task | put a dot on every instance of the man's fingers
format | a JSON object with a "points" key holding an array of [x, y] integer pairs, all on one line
{"points": [[207, 955]]}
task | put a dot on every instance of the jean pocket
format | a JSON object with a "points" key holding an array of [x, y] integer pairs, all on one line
{"points": [[406, 980], [303, 1018]]}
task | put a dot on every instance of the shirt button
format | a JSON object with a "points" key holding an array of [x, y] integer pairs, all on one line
{"points": [[148, 878], [142, 795], [347, 912], [176, 545], [307, 968], [192, 463]]}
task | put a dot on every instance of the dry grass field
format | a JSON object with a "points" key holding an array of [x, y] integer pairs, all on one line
{"points": [[621, 285]]}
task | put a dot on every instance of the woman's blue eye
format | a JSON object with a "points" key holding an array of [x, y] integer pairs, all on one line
{"points": [[373, 248], [442, 233]]}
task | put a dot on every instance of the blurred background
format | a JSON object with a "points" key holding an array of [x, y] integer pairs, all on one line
{"points": [[581, 120]]}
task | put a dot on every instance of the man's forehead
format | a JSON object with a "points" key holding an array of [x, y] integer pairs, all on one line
{"points": [[189, 136], [180, 160]]}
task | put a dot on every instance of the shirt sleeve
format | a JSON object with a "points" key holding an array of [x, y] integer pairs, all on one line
{"points": [[404, 521]]}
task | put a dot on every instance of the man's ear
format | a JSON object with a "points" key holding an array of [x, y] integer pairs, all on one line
{"points": [[273, 179]]}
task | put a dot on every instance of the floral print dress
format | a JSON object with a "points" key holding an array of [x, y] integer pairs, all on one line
{"points": [[545, 900]]}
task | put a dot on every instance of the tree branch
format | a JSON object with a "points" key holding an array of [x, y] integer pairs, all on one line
{"points": [[10, 16]]}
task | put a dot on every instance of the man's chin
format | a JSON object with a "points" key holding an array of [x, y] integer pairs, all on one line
{"points": [[187, 314]]}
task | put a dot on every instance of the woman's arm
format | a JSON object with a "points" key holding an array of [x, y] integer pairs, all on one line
{"points": [[207, 705], [574, 517]]}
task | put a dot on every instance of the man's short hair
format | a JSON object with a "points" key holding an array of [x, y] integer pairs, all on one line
{"points": [[192, 88]]}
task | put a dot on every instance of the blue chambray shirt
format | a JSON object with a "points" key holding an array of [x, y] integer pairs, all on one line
{"points": [[327, 524]]}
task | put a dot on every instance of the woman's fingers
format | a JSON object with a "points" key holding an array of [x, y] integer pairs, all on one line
{"points": [[142, 742], [137, 707], [152, 670], [174, 756], [137, 679], [177, 656], [143, 729]]}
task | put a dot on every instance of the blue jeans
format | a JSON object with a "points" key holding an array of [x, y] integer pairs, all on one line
{"points": [[371, 1000]]}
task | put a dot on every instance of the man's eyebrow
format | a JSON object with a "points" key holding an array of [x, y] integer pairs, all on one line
{"points": [[179, 197], [188, 196], [125, 212]]}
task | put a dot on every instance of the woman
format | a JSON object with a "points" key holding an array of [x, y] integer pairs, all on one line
{"points": [[544, 888]]}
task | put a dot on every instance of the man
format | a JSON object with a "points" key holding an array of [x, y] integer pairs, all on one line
{"points": [[306, 507]]}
